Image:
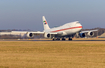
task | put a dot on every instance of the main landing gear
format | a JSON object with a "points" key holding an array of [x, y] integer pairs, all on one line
{"points": [[56, 39], [70, 39], [63, 39]]}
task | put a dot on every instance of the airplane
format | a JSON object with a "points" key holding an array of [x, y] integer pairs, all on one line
{"points": [[67, 30]]}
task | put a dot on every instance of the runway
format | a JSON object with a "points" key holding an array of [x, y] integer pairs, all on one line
{"points": [[76, 39]]}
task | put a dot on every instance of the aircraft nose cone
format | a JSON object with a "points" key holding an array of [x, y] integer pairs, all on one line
{"points": [[80, 26]]}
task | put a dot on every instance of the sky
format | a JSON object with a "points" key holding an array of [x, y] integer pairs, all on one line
{"points": [[27, 14]]}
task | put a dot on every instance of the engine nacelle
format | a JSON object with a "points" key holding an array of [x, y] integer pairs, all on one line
{"points": [[82, 35], [47, 35], [90, 34], [30, 35]]}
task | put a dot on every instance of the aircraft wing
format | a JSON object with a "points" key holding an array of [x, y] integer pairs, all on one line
{"points": [[28, 33], [88, 31], [36, 33]]}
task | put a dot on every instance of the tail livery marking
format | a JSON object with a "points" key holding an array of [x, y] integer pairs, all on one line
{"points": [[45, 22]]}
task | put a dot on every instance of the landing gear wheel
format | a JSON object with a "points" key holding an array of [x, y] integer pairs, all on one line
{"points": [[58, 39], [63, 39], [53, 39], [70, 39]]}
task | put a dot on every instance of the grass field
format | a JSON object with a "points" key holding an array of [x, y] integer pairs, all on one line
{"points": [[52, 54]]}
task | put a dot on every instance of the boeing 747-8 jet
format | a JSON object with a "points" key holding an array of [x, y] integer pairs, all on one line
{"points": [[67, 30]]}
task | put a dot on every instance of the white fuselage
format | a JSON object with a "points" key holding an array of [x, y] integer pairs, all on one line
{"points": [[66, 29]]}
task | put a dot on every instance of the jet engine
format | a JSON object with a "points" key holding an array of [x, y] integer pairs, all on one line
{"points": [[30, 35], [90, 33], [82, 35], [47, 35]]}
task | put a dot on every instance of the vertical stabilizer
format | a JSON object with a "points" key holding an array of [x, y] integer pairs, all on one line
{"points": [[45, 24]]}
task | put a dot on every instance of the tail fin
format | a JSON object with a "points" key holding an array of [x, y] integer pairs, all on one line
{"points": [[45, 24]]}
